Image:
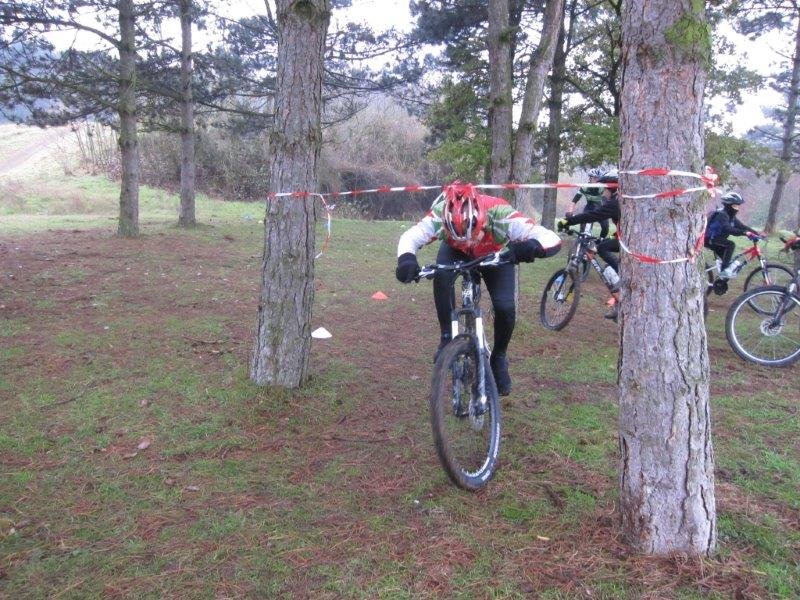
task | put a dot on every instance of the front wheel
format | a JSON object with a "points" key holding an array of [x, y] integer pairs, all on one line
{"points": [[560, 299], [772, 274], [763, 326], [465, 429]]}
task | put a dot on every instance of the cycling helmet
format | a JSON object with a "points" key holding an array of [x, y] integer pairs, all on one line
{"points": [[732, 199], [595, 172], [463, 216], [611, 176]]}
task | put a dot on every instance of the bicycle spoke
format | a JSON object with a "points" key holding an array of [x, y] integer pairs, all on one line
{"points": [[756, 332], [466, 429]]}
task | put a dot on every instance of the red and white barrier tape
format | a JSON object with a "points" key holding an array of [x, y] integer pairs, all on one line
{"points": [[709, 179], [652, 260]]}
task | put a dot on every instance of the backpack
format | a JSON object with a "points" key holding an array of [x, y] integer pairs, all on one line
{"points": [[714, 227]]}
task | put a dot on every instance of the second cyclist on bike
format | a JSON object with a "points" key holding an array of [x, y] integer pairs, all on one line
{"points": [[470, 224], [594, 199], [608, 249], [722, 223]]}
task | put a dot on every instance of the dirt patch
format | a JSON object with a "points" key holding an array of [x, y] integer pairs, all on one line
{"points": [[332, 491]]}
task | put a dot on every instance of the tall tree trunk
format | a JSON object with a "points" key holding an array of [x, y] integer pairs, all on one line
{"points": [[666, 457], [555, 109], [541, 62], [128, 139], [283, 330], [787, 140], [187, 218], [500, 43]]}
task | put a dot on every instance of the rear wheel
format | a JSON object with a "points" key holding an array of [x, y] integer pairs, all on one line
{"points": [[466, 432], [770, 338], [560, 300]]}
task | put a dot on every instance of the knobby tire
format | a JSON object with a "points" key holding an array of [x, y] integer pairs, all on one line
{"points": [[560, 300], [754, 333], [468, 450]]}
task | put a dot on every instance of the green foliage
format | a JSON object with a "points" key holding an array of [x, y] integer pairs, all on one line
{"points": [[458, 136], [598, 144], [724, 151], [691, 34]]}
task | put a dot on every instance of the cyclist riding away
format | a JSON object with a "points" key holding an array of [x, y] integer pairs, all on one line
{"points": [[608, 249], [469, 225], [722, 223], [594, 198]]}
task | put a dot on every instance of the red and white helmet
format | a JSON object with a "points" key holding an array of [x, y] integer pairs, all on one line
{"points": [[463, 215]]}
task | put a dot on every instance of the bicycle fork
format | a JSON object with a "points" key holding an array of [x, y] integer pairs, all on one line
{"points": [[479, 339]]}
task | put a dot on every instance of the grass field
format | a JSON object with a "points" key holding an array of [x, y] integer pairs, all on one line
{"points": [[137, 461]]}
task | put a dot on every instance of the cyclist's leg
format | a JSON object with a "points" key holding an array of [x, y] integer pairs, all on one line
{"points": [[604, 228], [723, 249], [608, 250], [443, 292]]}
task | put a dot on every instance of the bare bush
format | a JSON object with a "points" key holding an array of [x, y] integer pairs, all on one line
{"points": [[380, 146]]}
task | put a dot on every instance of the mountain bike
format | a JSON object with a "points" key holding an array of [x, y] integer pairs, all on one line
{"points": [[464, 403], [763, 324], [767, 273], [563, 290]]}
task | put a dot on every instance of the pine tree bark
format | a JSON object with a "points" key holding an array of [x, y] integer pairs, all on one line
{"points": [[283, 329], [187, 217], [499, 46], [555, 109], [540, 64], [128, 139], [787, 139], [667, 498]]}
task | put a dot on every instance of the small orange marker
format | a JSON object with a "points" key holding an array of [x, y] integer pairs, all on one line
{"points": [[379, 296]]}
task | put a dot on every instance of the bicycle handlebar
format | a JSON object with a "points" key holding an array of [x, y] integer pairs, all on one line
{"points": [[494, 259], [579, 233]]}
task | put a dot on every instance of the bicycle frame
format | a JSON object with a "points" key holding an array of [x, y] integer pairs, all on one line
{"points": [[470, 308], [748, 254], [585, 250]]}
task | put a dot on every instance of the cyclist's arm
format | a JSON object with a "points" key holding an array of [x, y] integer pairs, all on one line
{"points": [[608, 210], [575, 199], [540, 241], [735, 227], [423, 233]]}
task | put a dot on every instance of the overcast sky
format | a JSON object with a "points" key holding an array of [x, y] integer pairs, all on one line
{"points": [[383, 14]]}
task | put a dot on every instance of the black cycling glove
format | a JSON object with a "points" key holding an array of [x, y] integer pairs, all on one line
{"points": [[407, 268], [525, 251]]}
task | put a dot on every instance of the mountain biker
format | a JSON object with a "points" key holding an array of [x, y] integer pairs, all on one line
{"points": [[594, 198], [608, 249], [469, 225], [722, 223]]}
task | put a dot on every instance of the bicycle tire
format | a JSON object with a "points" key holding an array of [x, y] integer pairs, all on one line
{"points": [[583, 270], [468, 447], [752, 335], [560, 300], [773, 280], [709, 283], [777, 274]]}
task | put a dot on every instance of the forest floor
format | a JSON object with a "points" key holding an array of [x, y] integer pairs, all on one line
{"points": [[138, 461]]}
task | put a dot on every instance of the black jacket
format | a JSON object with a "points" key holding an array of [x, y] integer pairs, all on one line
{"points": [[721, 225], [609, 209]]}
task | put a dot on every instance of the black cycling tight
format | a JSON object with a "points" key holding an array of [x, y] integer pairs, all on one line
{"points": [[500, 282]]}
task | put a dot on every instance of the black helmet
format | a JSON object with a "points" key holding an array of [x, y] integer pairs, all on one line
{"points": [[611, 176], [732, 198]]}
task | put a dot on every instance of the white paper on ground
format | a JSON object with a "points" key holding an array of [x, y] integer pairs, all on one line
{"points": [[321, 333]]}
